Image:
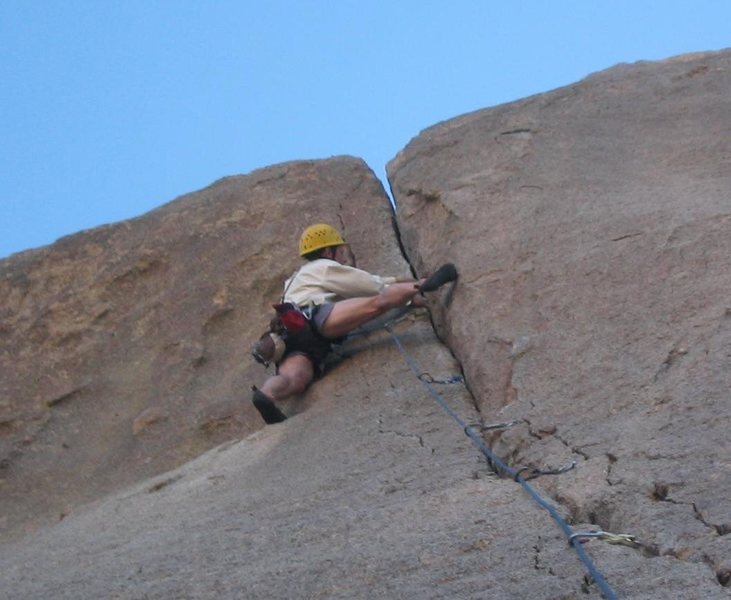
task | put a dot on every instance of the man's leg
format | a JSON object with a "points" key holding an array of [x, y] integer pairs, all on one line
{"points": [[293, 376], [350, 314]]}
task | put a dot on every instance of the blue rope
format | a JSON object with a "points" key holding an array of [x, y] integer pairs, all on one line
{"points": [[495, 461]]}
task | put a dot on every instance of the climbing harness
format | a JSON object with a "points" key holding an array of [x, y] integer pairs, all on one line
{"points": [[498, 465]]}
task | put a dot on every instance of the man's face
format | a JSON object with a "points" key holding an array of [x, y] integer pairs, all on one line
{"points": [[344, 255]]}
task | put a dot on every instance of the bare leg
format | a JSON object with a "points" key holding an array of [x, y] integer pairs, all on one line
{"points": [[293, 376], [350, 314]]}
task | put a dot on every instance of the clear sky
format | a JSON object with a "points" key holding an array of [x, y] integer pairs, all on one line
{"points": [[109, 108]]}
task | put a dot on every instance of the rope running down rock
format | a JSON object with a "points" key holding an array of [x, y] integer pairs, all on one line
{"points": [[497, 463]]}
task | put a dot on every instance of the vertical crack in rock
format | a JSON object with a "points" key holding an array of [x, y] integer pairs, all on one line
{"points": [[611, 459], [538, 564], [404, 254], [587, 585], [537, 556], [341, 221], [402, 248]]}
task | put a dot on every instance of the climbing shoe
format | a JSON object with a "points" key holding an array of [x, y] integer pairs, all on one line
{"points": [[266, 407], [444, 274]]}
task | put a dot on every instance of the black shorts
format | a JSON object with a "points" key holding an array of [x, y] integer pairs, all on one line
{"points": [[312, 345], [319, 314]]}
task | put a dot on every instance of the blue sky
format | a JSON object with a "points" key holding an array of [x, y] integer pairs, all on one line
{"points": [[109, 109]]}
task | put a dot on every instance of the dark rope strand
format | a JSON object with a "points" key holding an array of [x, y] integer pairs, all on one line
{"points": [[496, 461]]}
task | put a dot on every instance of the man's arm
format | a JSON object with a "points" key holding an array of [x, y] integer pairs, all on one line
{"points": [[350, 282]]}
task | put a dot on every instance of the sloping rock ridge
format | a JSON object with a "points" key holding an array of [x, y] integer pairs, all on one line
{"points": [[591, 228], [125, 349]]}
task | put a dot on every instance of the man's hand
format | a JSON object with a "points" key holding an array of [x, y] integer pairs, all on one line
{"points": [[418, 301]]}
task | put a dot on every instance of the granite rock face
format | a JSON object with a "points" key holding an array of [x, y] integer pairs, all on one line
{"points": [[125, 349], [369, 491], [592, 226]]}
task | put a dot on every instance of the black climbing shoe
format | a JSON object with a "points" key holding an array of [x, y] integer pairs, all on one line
{"points": [[266, 407], [442, 275]]}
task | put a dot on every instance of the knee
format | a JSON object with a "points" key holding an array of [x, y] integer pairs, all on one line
{"points": [[300, 376], [298, 383]]}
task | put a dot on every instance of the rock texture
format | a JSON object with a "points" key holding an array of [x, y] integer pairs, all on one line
{"points": [[370, 492], [592, 226], [125, 349]]}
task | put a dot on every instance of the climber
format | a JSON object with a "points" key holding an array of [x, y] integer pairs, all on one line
{"points": [[335, 298]]}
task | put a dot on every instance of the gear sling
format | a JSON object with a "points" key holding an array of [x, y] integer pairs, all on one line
{"points": [[291, 330]]}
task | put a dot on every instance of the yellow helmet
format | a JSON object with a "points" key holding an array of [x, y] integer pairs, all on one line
{"points": [[319, 236]]}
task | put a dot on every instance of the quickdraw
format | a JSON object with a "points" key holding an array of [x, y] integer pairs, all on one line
{"points": [[427, 378], [623, 539], [533, 472]]}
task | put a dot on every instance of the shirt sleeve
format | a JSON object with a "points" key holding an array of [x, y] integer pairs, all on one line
{"points": [[349, 282]]}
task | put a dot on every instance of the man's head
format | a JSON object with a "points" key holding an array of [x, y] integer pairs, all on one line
{"points": [[324, 241]]}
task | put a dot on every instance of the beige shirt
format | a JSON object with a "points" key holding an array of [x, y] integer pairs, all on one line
{"points": [[324, 280]]}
